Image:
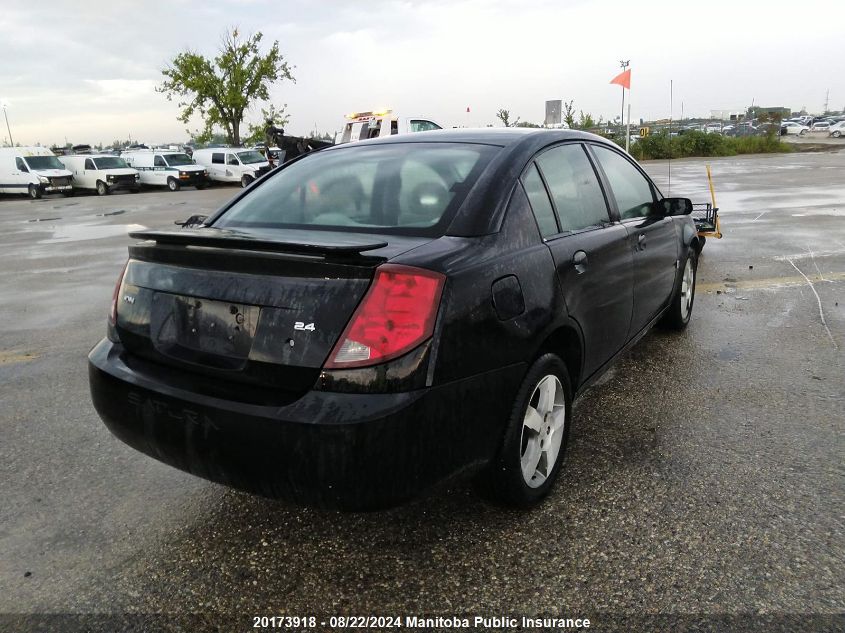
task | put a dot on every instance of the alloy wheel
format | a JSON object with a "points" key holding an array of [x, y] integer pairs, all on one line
{"points": [[542, 431]]}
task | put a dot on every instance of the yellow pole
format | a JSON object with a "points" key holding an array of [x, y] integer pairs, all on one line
{"points": [[718, 228]]}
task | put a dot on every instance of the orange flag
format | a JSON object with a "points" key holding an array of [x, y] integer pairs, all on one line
{"points": [[623, 79]]}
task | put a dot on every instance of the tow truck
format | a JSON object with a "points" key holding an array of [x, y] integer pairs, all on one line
{"points": [[360, 126]]}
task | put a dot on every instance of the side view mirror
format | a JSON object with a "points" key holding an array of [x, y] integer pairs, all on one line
{"points": [[675, 206]]}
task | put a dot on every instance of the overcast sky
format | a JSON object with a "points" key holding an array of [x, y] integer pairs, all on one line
{"points": [[86, 70]]}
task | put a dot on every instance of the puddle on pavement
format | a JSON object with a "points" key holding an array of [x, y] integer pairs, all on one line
{"points": [[83, 232], [43, 219], [108, 213]]}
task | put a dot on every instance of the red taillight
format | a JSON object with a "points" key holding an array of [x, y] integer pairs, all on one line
{"points": [[396, 315], [115, 294]]}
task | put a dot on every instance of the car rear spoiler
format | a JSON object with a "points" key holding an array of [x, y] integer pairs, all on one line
{"points": [[235, 240]]}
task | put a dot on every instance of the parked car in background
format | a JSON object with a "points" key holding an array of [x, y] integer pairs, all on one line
{"points": [[837, 129], [102, 172], [374, 317], [713, 128], [820, 126], [232, 164], [173, 170], [791, 127], [33, 171]]}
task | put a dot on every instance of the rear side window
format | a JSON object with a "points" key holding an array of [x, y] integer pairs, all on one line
{"points": [[574, 186], [217, 158], [419, 125], [404, 188], [632, 191], [540, 203]]}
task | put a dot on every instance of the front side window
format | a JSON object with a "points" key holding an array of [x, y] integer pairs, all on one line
{"points": [[419, 125], [404, 188], [158, 161], [538, 197], [633, 193], [231, 159], [20, 164], [89, 164], [574, 186]]}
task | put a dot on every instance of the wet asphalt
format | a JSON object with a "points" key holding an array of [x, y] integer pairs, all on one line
{"points": [[704, 474]]}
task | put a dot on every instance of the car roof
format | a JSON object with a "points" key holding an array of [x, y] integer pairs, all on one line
{"points": [[502, 136]]}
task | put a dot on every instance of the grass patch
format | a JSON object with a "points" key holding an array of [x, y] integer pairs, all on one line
{"points": [[695, 143]]}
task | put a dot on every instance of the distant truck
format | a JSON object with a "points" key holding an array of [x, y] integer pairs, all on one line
{"points": [[102, 172], [360, 126], [164, 168], [33, 171], [232, 164]]}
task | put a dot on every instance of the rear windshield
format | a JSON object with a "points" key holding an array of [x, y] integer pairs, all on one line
{"points": [[405, 188], [250, 157], [43, 162], [175, 160], [110, 162]]}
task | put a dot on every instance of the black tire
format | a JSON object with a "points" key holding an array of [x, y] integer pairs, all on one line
{"points": [[173, 184], [836, 134], [202, 185], [136, 190], [35, 192], [69, 194], [675, 317], [102, 188], [246, 181], [801, 133], [503, 480]]}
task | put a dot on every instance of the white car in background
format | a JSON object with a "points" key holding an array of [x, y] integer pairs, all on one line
{"points": [[232, 164], [101, 172], [837, 129], [820, 126], [791, 127]]}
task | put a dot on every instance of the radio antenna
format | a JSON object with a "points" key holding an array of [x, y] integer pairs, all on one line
{"points": [[669, 187]]}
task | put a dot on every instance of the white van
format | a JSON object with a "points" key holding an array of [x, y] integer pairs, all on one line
{"points": [[167, 169], [102, 172], [232, 164], [33, 170], [363, 125]]}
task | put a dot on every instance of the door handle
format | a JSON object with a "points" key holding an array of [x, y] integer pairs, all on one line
{"points": [[579, 260], [641, 242]]}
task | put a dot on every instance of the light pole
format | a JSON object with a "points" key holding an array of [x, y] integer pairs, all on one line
{"points": [[624, 63], [6, 116]]}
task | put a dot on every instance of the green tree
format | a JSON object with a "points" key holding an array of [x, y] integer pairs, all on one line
{"points": [[223, 89], [569, 113], [257, 131], [586, 121], [505, 117]]}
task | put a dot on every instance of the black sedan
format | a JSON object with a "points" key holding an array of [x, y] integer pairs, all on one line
{"points": [[372, 318]]}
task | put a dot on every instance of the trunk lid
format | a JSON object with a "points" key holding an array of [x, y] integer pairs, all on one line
{"points": [[261, 311]]}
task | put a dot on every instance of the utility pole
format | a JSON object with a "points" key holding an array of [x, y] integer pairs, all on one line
{"points": [[6, 116], [624, 63], [826, 100]]}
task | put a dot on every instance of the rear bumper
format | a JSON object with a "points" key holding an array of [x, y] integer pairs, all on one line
{"points": [[348, 451]]}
